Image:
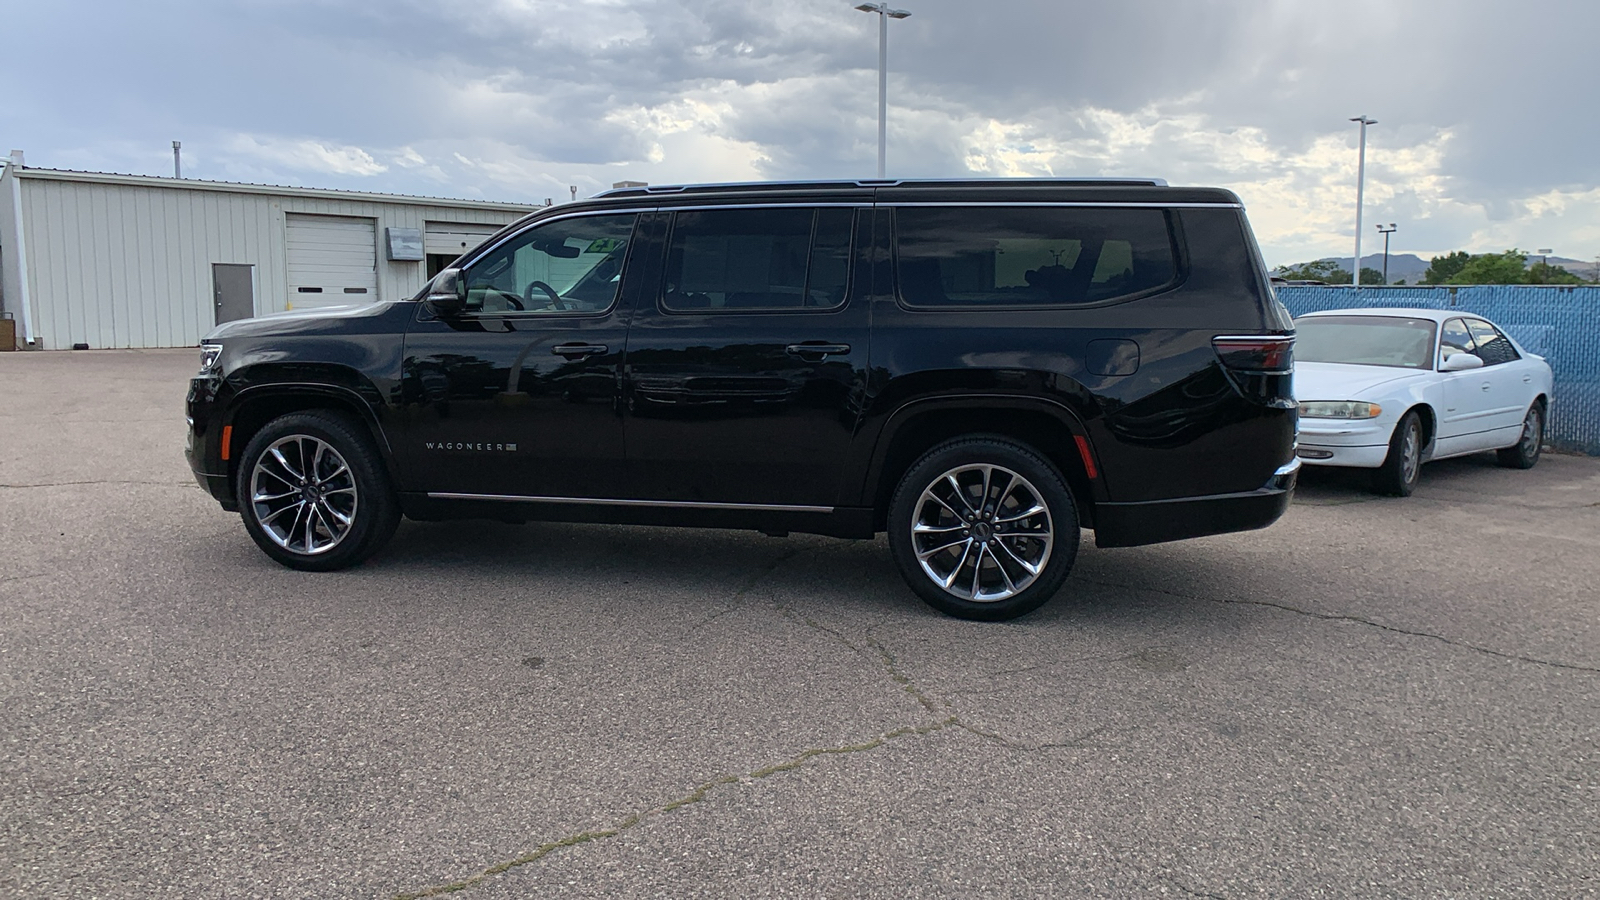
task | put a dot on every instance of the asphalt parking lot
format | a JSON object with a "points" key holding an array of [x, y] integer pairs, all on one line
{"points": [[1374, 697]]}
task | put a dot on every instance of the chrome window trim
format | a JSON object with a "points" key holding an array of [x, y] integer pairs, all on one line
{"points": [[600, 501]]}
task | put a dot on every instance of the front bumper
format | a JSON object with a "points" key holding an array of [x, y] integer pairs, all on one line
{"points": [[202, 445], [1159, 521], [1362, 444]]}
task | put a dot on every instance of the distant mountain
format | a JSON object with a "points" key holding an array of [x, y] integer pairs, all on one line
{"points": [[1410, 267], [1407, 266]]}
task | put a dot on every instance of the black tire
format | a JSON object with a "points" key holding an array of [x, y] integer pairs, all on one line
{"points": [[1006, 586], [350, 483], [1402, 468], [1525, 452]]}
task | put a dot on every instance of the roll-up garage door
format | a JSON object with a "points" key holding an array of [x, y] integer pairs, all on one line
{"points": [[332, 261], [454, 238]]}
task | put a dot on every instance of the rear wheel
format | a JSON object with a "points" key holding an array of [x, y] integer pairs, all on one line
{"points": [[1526, 451], [1401, 468], [983, 528], [313, 492]]}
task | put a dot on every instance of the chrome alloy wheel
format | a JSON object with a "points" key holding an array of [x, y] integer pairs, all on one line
{"points": [[981, 532], [303, 494]]}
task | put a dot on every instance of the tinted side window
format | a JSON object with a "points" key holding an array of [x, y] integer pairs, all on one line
{"points": [[1455, 338], [753, 259], [564, 267], [980, 257], [1493, 347]]}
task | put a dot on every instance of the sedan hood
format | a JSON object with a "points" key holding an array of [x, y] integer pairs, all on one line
{"points": [[1342, 381]]}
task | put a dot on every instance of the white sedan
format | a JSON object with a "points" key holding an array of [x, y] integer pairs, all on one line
{"points": [[1391, 389]]}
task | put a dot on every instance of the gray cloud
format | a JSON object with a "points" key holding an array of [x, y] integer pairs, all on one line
{"points": [[518, 98]]}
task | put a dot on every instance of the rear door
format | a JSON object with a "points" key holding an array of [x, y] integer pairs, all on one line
{"points": [[1509, 377], [747, 358]]}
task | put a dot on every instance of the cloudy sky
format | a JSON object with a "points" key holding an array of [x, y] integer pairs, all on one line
{"points": [[1487, 134]]}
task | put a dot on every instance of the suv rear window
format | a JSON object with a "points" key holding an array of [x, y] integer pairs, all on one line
{"points": [[1030, 256]]}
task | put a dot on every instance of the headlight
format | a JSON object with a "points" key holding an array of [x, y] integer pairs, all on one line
{"points": [[1339, 409], [208, 357]]}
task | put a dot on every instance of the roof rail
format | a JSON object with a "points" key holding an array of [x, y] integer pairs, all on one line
{"points": [[872, 182]]}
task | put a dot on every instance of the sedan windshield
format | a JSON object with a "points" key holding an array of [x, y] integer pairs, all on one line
{"points": [[1365, 341]]}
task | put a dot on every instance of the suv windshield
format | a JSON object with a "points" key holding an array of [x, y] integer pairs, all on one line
{"points": [[1365, 341]]}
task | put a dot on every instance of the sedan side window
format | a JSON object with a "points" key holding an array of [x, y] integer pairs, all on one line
{"points": [[1455, 338], [1493, 347], [570, 266]]}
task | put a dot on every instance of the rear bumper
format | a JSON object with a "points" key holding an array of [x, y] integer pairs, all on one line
{"points": [[1159, 521]]}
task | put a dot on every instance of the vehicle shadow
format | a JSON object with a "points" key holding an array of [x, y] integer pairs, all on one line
{"points": [[687, 573]]}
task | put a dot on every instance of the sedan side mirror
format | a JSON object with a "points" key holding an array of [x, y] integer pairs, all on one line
{"points": [[448, 292], [1460, 362]]}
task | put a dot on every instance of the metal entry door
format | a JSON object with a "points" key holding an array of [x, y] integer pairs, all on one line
{"points": [[233, 288]]}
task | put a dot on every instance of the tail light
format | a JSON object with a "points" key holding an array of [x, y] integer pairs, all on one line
{"points": [[1260, 366], [1266, 354]]}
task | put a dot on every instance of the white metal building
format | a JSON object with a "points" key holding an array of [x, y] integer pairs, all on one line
{"points": [[138, 261]]}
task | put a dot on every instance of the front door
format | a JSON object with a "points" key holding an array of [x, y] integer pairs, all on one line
{"points": [[746, 359], [517, 395], [233, 289]]}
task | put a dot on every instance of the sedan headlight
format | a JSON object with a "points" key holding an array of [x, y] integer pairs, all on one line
{"points": [[1339, 409], [209, 354]]}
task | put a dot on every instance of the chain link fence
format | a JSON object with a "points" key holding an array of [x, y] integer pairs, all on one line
{"points": [[1561, 324]]}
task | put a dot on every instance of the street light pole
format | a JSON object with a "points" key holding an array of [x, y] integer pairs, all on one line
{"points": [[1386, 230], [1361, 179], [884, 15]]}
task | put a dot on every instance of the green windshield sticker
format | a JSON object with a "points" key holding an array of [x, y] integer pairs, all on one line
{"points": [[603, 245]]}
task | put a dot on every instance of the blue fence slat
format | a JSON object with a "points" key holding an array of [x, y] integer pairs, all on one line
{"points": [[1562, 324]]}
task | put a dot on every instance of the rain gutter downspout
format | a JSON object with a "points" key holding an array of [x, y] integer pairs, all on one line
{"points": [[12, 168]]}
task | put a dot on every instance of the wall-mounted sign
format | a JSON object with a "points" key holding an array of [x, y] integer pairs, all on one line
{"points": [[405, 244]]}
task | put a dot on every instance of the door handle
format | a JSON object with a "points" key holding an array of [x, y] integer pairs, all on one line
{"points": [[578, 351], [1486, 386], [1527, 378], [816, 350]]}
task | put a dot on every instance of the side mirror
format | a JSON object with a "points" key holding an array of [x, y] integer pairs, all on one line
{"points": [[447, 294], [1460, 362]]}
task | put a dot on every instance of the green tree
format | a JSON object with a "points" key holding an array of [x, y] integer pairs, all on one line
{"points": [[1321, 270], [1510, 267], [1544, 273], [1442, 268], [1368, 276]]}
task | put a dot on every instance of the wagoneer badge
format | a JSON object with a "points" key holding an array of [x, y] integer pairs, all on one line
{"points": [[470, 445]]}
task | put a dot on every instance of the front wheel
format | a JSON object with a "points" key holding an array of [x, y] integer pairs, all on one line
{"points": [[1525, 452], [314, 493], [1401, 468], [983, 528]]}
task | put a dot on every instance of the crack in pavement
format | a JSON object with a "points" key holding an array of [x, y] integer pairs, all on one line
{"points": [[1359, 620], [1188, 890], [749, 585], [891, 667], [695, 796]]}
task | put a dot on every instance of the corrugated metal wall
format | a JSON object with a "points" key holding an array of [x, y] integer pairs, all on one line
{"points": [[129, 265], [1562, 324]]}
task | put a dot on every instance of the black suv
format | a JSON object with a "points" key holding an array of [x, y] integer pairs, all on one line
{"points": [[979, 368]]}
